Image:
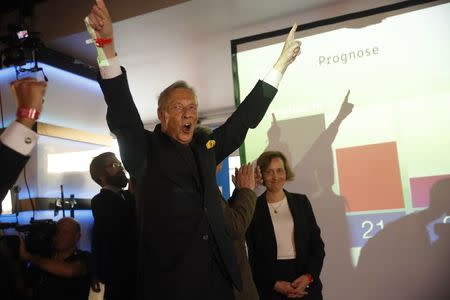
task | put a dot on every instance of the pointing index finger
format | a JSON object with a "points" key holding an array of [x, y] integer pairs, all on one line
{"points": [[346, 96], [291, 34]]}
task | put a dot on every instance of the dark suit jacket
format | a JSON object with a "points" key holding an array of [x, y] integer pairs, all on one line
{"points": [[12, 164], [114, 242], [262, 244], [178, 200], [238, 214]]}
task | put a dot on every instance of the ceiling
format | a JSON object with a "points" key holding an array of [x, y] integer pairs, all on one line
{"points": [[16, 5], [60, 21], [161, 41]]}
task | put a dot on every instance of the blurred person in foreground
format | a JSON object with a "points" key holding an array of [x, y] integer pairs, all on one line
{"points": [[16, 143], [18, 140]]}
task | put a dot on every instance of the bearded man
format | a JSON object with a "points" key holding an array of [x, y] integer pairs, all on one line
{"points": [[114, 234]]}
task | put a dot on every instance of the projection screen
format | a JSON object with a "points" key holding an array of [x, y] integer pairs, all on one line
{"points": [[366, 164]]}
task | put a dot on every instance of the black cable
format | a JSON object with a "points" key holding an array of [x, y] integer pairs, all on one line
{"points": [[45, 76], [28, 189], [16, 190]]}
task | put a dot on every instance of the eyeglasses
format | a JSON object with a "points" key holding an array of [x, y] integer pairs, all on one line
{"points": [[115, 165]]}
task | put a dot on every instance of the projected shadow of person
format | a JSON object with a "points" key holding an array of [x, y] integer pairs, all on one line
{"points": [[399, 262], [314, 176], [274, 140], [441, 262]]}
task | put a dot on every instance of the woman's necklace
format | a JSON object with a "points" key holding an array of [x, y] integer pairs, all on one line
{"points": [[275, 208]]}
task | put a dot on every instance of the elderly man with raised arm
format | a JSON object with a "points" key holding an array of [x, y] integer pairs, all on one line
{"points": [[185, 251]]}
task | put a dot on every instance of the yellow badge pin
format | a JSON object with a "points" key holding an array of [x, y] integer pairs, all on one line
{"points": [[210, 144]]}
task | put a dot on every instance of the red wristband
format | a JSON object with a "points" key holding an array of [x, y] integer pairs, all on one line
{"points": [[27, 112], [310, 278], [102, 42]]}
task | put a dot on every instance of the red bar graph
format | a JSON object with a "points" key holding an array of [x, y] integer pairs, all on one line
{"points": [[369, 177]]}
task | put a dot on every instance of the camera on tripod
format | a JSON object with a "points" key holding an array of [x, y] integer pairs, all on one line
{"points": [[21, 45]]}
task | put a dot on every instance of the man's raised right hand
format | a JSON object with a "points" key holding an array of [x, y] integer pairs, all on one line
{"points": [[100, 20]]}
